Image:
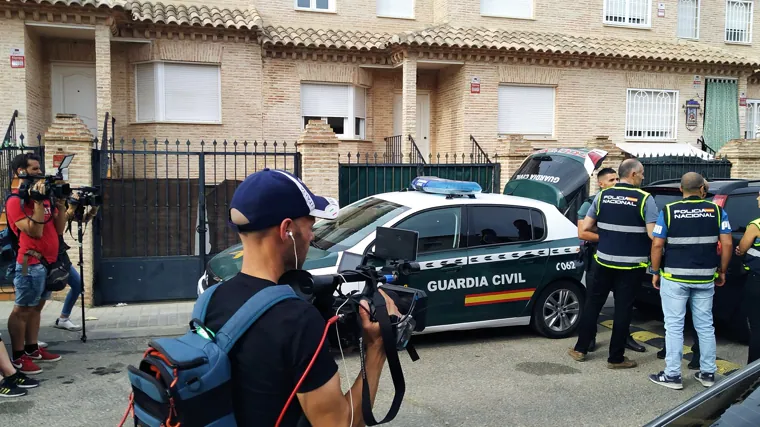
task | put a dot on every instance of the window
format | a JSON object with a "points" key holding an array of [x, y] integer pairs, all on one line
{"points": [[526, 110], [739, 21], [753, 118], [741, 209], [688, 19], [178, 92], [354, 222], [494, 225], [343, 107], [396, 8], [632, 13], [651, 115], [316, 5], [438, 229], [507, 8]]}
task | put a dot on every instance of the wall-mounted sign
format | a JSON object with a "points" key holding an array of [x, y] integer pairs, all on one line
{"points": [[743, 100], [475, 85], [17, 57], [661, 10], [697, 82], [692, 112]]}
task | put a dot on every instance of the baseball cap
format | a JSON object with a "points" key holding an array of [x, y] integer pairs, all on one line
{"points": [[268, 197]]}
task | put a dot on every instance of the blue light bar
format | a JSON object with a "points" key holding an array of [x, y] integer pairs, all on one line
{"points": [[435, 185]]}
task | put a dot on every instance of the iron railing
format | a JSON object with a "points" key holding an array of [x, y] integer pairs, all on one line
{"points": [[393, 149], [415, 155], [10, 135], [657, 168], [704, 147], [478, 155], [362, 175]]}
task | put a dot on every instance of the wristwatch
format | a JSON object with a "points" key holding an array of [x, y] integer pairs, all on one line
{"points": [[652, 272]]}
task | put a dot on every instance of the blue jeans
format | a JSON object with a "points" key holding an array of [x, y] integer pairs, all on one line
{"points": [[674, 296], [75, 283], [30, 288]]}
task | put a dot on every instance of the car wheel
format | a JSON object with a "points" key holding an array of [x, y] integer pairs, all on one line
{"points": [[557, 311]]}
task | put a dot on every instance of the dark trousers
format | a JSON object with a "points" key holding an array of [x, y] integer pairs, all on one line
{"points": [[625, 284], [752, 300]]}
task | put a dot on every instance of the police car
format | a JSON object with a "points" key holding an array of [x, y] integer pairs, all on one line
{"points": [[486, 260]]}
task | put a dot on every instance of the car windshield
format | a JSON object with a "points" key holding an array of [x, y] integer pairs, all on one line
{"points": [[354, 222]]}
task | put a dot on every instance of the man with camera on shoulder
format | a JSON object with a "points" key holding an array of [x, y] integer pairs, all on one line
{"points": [[37, 223], [273, 213]]}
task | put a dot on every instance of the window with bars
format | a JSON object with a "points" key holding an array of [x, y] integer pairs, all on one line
{"points": [[633, 13], [688, 19], [651, 115], [753, 118], [739, 21]]}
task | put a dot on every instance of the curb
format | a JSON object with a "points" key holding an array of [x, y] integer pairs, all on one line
{"points": [[725, 367]]}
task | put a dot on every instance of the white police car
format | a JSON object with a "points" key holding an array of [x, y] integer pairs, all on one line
{"points": [[487, 260]]}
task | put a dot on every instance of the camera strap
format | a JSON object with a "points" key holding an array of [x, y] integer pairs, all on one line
{"points": [[394, 365]]}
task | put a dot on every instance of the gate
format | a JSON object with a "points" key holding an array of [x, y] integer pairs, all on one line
{"points": [[164, 211], [361, 176], [673, 167]]}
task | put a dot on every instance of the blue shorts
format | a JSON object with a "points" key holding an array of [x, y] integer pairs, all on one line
{"points": [[30, 289]]}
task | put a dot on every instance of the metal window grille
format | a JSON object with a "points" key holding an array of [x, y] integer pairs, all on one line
{"points": [[688, 19], [739, 20], [651, 115], [628, 12], [753, 118]]}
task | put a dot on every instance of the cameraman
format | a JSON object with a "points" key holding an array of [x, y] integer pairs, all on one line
{"points": [[38, 225], [274, 212]]}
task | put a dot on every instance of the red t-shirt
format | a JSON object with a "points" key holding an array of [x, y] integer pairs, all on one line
{"points": [[47, 245]]}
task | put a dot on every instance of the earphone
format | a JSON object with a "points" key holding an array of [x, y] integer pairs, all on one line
{"points": [[289, 233]]}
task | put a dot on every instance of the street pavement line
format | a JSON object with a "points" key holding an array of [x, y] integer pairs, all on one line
{"points": [[655, 340]]}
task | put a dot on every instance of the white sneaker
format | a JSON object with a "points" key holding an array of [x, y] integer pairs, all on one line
{"points": [[66, 324], [42, 344]]}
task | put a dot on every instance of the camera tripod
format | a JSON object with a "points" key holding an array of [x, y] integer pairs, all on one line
{"points": [[80, 237]]}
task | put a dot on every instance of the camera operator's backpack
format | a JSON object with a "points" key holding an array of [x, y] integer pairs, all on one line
{"points": [[186, 381]]}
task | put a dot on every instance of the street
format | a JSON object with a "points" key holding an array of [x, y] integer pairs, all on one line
{"points": [[497, 377]]}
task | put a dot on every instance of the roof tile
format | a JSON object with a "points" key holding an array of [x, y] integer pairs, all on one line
{"points": [[203, 16], [320, 38], [95, 3]]}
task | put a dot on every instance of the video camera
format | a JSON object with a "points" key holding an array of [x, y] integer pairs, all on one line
{"points": [[52, 189], [391, 262], [87, 196]]}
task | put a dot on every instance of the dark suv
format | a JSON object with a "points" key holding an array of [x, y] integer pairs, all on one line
{"points": [[739, 198]]}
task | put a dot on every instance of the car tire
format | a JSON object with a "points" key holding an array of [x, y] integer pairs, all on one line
{"points": [[558, 294]]}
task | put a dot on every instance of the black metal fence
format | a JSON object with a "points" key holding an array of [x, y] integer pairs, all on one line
{"points": [[363, 175], [7, 153], [669, 167], [165, 210]]}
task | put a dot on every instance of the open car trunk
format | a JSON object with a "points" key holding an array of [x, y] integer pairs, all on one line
{"points": [[559, 176]]}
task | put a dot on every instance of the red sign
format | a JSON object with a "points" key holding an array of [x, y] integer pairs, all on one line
{"points": [[474, 87], [743, 100], [17, 61], [57, 159]]}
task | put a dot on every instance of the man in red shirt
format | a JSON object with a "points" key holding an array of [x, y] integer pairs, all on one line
{"points": [[38, 224]]}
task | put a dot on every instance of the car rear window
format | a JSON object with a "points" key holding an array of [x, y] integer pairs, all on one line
{"points": [[741, 209]]}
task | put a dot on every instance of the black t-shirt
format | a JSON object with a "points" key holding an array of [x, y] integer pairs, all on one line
{"points": [[270, 358]]}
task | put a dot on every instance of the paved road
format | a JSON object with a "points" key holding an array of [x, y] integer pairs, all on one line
{"points": [[482, 378]]}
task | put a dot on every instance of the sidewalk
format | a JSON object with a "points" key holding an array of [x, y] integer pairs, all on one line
{"points": [[109, 322]]}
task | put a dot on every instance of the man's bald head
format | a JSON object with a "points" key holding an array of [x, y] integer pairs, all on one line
{"points": [[631, 171], [691, 183]]}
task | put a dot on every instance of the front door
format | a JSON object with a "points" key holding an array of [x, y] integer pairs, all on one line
{"points": [[74, 92], [423, 121]]}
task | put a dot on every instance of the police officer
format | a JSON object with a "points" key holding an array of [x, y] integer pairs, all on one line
{"points": [[624, 216], [749, 247], [689, 231], [606, 178]]}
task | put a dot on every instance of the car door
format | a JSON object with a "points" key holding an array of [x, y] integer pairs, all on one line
{"points": [[506, 250], [442, 260], [741, 208]]}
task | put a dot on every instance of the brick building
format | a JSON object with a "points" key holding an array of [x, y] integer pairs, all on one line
{"points": [[557, 73]]}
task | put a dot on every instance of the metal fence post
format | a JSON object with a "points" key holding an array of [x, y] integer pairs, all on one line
{"points": [[202, 226]]}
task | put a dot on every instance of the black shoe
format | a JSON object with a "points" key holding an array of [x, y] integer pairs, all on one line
{"points": [[592, 346], [21, 380], [694, 363], [633, 345], [8, 389], [661, 353]]}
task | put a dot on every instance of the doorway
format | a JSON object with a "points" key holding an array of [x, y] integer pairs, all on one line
{"points": [[423, 121], [73, 91]]}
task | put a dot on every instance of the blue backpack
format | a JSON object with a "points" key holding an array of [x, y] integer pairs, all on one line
{"points": [[186, 381]]}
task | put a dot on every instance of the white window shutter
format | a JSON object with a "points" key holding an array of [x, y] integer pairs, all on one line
{"points": [[145, 83], [509, 8], [360, 106], [191, 92], [396, 8], [526, 110], [324, 100]]}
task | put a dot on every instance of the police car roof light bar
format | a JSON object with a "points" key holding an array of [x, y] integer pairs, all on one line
{"points": [[448, 187]]}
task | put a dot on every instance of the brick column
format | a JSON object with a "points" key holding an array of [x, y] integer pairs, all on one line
{"points": [[515, 149], [318, 146], [69, 135], [103, 73], [742, 83], [409, 103], [744, 155], [615, 156]]}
